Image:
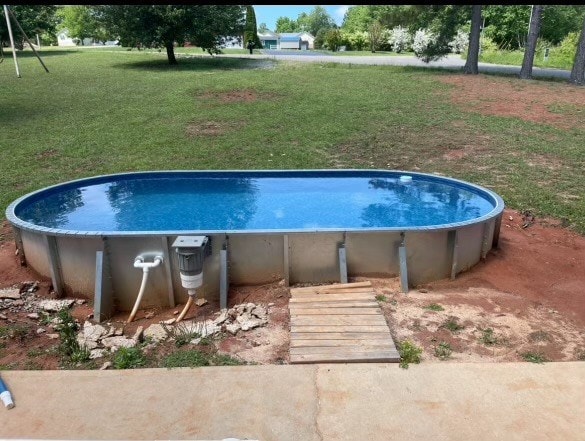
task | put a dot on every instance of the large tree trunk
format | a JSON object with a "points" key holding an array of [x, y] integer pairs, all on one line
{"points": [[171, 53], [578, 71], [535, 19], [473, 51]]}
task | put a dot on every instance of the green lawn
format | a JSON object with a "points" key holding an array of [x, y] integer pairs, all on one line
{"points": [[103, 111]]}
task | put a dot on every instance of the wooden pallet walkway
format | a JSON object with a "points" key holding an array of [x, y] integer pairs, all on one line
{"points": [[340, 323]]}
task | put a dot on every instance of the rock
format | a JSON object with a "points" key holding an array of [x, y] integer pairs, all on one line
{"points": [[106, 365], [233, 328], [223, 316], [118, 331], [17, 303], [10, 293], [168, 322], [201, 302], [41, 331], [195, 341], [97, 353], [33, 315], [53, 336], [156, 333], [89, 344], [55, 305], [80, 302], [175, 312], [149, 315], [118, 342], [138, 334], [271, 304], [3, 317], [260, 312], [93, 332], [251, 324]]}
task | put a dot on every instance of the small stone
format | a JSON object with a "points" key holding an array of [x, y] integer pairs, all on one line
{"points": [[17, 303], [96, 353], [156, 333], [10, 293], [93, 332], [511, 218], [271, 304], [89, 316], [168, 322], [195, 341], [41, 330], [118, 342], [175, 312], [80, 302], [149, 315], [106, 365], [33, 315], [89, 344], [55, 305], [3, 317], [53, 336], [221, 318], [119, 331], [138, 334], [233, 328], [201, 302]]}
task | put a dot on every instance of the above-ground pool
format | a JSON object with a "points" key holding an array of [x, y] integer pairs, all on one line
{"points": [[301, 226]]}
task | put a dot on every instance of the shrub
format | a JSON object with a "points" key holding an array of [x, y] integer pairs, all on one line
{"points": [[69, 347], [400, 39], [129, 358], [409, 353], [422, 39], [443, 351], [460, 42]]}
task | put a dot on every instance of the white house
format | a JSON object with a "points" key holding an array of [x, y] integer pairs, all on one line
{"points": [[295, 40], [269, 39], [63, 39]]}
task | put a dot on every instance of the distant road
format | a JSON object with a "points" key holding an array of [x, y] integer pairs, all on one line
{"points": [[454, 62]]}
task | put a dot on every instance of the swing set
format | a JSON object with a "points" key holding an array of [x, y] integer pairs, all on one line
{"points": [[8, 13]]}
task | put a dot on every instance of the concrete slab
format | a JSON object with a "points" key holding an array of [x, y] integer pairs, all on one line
{"points": [[433, 401]]}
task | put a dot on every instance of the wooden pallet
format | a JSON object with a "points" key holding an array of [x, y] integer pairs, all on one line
{"points": [[340, 323]]}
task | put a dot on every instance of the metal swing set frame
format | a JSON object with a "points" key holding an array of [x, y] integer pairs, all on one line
{"points": [[8, 13]]}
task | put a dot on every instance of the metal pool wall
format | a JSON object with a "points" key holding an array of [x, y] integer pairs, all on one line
{"points": [[102, 266]]}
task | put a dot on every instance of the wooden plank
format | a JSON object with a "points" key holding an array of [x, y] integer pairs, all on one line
{"points": [[365, 343], [339, 320], [343, 357], [334, 311], [339, 335], [332, 328], [334, 286], [334, 304], [330, 297], [326, 350]]}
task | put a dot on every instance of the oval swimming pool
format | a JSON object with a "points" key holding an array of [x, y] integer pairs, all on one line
{"points": [[299, 218]]}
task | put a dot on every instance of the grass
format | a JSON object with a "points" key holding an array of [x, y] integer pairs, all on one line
{"points": [[129, 358], [381, 298], [452, 325], [195, 358], [434, 307], [443, 351], [69, 348], [108, 111], [488, 337], [409, 353], [534, 357], [515, 58]]}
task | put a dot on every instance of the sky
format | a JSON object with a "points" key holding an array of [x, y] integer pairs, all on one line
{"points": [[269, 14]]}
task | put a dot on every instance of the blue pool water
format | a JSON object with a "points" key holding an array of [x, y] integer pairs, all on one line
{"points": [[243, 201]]}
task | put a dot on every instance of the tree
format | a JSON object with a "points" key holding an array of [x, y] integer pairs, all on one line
{"points": [[251, 30], [333, 39], [471, 63], [80, 22], [444, 21], [262, 27], [285, 24], [206, 26], [314, 21], [578, 71], [34, 19], [534, 31], [375, 32], [357, 19]]}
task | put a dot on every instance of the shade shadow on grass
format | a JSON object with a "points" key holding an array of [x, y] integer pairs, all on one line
{"points": [[197, 63], [30, 54]]}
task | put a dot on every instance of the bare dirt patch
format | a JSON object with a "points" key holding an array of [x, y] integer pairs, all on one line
{"points": [[212, 128], [548, 103], [528, 296]]}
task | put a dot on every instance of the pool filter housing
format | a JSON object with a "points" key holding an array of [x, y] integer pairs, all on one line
{"points": [[191, 251]]}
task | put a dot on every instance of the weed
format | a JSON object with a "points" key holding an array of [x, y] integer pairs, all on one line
{"points": [[31, 365], [16, 331], [488, 338], [69, 347], [534, 357], [183, 333], [434, 307], [381, 298], [581, 356], [443, 351], [452, 325], [45, 319], [225, 360], [35, 352], [129, 358], [4, 332], [409, 353], [186, 358]]}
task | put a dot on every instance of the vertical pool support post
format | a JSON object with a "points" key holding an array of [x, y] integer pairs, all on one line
{"points": [[286, 261], [168, 271], [223, 275], [103, 304], [342, 262], [454, 246], [55, 266], [403, 267]]}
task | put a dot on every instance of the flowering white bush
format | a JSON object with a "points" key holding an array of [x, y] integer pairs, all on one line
{"points": [[422, 38], [459, 42], [400, 39]]}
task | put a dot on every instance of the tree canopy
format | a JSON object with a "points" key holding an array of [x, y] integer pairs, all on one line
{"points": [[34, 19], [312, 22], [206, 26]]}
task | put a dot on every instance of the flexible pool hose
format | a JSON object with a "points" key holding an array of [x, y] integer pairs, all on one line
{"points": [[5, 395]]}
